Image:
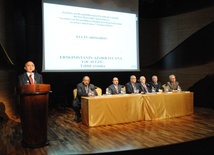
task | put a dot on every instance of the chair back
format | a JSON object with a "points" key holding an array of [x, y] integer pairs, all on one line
{"points": [[164, 87], [75, 93], [99, 91], [123, 89]]}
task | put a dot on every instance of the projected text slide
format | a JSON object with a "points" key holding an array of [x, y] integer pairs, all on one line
{"points": [[89, 39]]}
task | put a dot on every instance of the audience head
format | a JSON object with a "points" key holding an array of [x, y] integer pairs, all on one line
{"points": [[142, 79], [154, 78], [86, 80], [172, 78], [115, 81], [29, 67], [133, 79]]}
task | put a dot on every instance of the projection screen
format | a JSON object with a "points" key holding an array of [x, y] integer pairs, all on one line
{"points": [[90, 35]]}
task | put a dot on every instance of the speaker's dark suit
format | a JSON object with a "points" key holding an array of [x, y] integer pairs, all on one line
{"points": [[143, 89], [23, 79], [81, 91], [130, 89], [113, 89], [156, 86]]}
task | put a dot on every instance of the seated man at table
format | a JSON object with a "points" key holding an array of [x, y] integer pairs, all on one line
{"points": [[132, 86], [144, 87], [85, 88], [115, 87], [155, 84], [172, 84]]}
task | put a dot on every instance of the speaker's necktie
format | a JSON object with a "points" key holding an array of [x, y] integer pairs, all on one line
{"points": [[134, 86], [86, 90], [31, 79], [116, 87], [146, 88]]}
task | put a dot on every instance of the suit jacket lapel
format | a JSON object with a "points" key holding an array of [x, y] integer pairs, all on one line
{"points": [[26, 77]]}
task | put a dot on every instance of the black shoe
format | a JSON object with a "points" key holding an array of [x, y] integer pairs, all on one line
{"points": [[77, 119]]}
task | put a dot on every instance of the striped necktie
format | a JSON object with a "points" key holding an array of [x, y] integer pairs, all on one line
{"points": [[145, 88]]}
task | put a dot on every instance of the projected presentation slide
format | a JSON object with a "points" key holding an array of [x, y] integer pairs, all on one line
{"points": [[86, 39]]}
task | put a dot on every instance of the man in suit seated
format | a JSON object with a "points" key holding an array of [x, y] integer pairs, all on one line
{"points": [[85, 88], [30, 76], [172, 84], [115, 87], [132, 86], [144, 87], [155, 84]]}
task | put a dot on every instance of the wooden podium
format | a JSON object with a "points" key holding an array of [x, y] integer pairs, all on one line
{"points": [[34, 114]]}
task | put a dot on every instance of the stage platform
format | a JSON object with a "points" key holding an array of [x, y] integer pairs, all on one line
{"points": [[191, 134]]}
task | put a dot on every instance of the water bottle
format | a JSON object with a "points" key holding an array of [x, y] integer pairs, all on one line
{"points": [[134, 89], [153, 90], [167, 89], [107, 91], [123, 91], [89, 93], [92, 93], [179, 88]]}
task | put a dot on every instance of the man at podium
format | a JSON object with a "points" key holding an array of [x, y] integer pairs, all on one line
{"points": [[34, 96], [30, 76]]}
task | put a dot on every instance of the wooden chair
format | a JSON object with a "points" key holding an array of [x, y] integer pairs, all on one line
{"points": [[75, 93], [99, 91], [164, 87]]}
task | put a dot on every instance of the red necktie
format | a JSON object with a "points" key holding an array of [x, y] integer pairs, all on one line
{"points": [[31, 79]]}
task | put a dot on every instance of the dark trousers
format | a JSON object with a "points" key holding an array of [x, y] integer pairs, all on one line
{"points": [[77, 106]]}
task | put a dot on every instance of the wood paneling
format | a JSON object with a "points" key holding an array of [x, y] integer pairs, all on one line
{"points": [[8, 93], [159, 36], [7, 72]]}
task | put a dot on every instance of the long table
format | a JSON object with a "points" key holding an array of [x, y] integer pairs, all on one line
{"points": [[124, 108]]}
